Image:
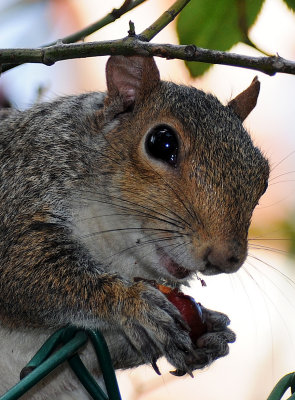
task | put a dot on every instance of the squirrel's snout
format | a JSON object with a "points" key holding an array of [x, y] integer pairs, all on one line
{"points": [[226, 257]]}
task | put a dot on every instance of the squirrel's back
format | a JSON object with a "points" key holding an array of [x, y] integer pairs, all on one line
{"points": [[40, 148]]}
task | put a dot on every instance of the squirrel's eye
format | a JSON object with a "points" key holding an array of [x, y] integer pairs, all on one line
{"points": [[162, 144]]}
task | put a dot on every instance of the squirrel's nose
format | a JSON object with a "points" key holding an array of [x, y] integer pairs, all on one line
{"points": [[225, 257]]}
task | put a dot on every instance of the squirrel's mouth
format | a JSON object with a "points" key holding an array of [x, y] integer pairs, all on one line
{"points": [[174, 269]]}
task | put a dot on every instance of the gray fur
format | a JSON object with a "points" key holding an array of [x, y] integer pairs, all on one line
{"points": [[83, 209]]}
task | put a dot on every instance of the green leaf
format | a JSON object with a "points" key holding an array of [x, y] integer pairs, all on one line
{"points": [[288, 229], [215, 25], [290, 4]]}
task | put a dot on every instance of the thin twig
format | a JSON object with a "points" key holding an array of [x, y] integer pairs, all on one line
{"points": [[116, 13], [165, 19], [131, 31], [132, 46]]}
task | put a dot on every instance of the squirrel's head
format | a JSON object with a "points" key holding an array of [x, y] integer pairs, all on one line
{"points": [[187, 170]]}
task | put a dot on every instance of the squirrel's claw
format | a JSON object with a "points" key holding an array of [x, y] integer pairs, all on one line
{"points": [[156, 368]]}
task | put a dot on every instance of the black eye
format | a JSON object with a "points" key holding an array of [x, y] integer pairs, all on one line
{"points": [[162, 144]]}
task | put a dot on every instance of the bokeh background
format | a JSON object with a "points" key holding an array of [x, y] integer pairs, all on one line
{"points": [[260, 298]]}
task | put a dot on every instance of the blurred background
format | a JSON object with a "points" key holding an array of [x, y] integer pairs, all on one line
{"points": [[260, 299]]}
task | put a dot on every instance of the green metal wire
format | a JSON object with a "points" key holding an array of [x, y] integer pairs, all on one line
{"points": [[46, 367], [49, 357], [46, 349], [288, 381], [86, 379], [64, 345], [106, 365]]}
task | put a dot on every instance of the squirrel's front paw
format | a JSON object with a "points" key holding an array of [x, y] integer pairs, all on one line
{"points": [[216, 340], [214, 343], [157, 329]]}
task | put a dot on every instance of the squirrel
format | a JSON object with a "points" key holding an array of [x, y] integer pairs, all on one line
{"points": [[150, 179]]}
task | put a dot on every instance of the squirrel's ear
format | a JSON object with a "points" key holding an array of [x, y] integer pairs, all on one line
{"points": [[130, 78], [244, 103]]}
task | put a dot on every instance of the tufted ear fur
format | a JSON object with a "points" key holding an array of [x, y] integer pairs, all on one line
{"points": [[130, 78], [244, 103]]}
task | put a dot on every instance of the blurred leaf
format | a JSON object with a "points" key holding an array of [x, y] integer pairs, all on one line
{"points": [[288, 229], [290, 4], [216, 25], [280, 232]]}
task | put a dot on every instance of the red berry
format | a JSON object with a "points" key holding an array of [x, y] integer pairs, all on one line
{"points": [[190, 310]]}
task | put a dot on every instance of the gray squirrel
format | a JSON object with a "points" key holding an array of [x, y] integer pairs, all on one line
{"points": [[150, 179]]}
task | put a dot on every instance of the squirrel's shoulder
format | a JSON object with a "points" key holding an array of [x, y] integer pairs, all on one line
{"points": [[63, 111], [83, 103]]}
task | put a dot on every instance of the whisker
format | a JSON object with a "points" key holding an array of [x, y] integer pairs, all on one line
{"points": [[110, 215], [287, 181], [273, 283], [279, 313], [282, 160], [278, 176], [178, 217], [181, 245], [271, 249], [191, 214], [267, 239], [119, 230], [175, 245], [250, 300], [275, 203], [134, 214], [266, 297], [142, 244], [284, 276], [145, 208]]}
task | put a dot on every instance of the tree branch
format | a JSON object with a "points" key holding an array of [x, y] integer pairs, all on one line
{"points": [[132, 45], [116, 13], [138, 45], [165, 19]]}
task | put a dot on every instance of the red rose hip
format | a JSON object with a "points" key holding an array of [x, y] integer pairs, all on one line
{"points": [[190, 310]]}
